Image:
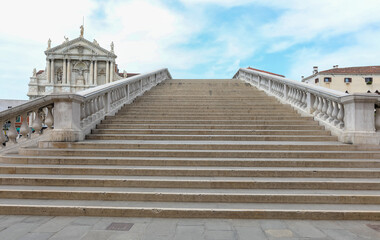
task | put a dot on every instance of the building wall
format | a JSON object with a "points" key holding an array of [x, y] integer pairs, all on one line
{"points": [[358, 84]]}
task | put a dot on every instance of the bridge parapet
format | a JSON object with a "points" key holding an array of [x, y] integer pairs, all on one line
{"points": [[354, 118], [69, 117]]}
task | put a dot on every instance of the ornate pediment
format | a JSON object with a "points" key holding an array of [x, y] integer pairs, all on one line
{"points": [[79, 46]]}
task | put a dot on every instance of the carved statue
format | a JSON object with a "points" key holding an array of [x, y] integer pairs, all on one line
{"points": [[49, 44], [125, 75], [95, 42], [112, 46], [34, 72], [81, 30], [66, 38]]}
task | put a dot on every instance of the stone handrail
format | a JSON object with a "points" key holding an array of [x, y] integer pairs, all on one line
{"points": [[350, 117], [72, 116]]}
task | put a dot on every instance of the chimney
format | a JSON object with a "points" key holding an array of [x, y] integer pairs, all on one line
{"points": [[302, 77], [335, 66], [315, 69]]}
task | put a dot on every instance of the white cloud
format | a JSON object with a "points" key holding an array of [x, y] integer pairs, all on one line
{"points": [[306, 20], [362, 54]]}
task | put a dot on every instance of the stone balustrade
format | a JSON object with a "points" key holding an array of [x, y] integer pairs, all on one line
{"points": [[69, 117], [352, 117]]}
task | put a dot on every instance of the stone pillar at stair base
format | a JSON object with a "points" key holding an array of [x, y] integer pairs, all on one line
{"points": [[67, 127], [359, 119]]}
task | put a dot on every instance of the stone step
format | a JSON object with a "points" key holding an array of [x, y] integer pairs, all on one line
{"points": [[209, 137], [184, 195], [189, 171], [207, 117], [208, 126], [222, 162], [190, 182], [212, 132], [202, 153], [202, 145], [188, 210], [111, 119]]}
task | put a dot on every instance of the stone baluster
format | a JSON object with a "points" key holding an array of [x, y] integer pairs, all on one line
{"points": [[12, 132], [334, 113], [37, 122], [328, 116], [25, 130], [340, 117], [315, 106], [49, 120], [2, 135]]}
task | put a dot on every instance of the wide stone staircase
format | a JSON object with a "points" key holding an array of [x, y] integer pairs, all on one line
{"points": [[197, 148]]}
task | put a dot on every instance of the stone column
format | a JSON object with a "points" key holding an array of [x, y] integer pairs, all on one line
{"points": [[112, 70], [68, 76], [48, 70], [64, 72], [91, 77], [96, 73], [52, 72], [107, 71]]}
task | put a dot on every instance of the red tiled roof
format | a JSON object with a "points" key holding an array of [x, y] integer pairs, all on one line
{"points": [[265, 72], [39, 72], [353, 70]]}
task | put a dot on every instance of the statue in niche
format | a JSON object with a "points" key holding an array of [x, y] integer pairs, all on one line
{"points": [[80, 68], [49, 44], [81, 30], [112, 46], [59, 75]]}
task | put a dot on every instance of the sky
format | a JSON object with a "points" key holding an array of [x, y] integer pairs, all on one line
{"points": [[193, 38]]}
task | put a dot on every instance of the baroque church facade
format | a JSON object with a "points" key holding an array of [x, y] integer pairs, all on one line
{"points": [[74, 66]]}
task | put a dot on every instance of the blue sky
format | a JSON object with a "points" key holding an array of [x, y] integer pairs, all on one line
{"points": [[193, 38]]}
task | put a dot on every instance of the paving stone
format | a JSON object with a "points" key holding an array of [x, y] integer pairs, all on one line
{"points": [[10, 220], [273, 224], [71, 232], [305, 229], [249, 233], [341, 234], [279, 233], [245, 223], [220, 235], [36, 219], [217, 224], [90, 221], [126, 236], [55, 224], [97, 235], [36, 236], [192, 222], [322, 224], [17, 230], [189, 232]]}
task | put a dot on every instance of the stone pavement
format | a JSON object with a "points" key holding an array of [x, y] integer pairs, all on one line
{"points": [[110, 228]]}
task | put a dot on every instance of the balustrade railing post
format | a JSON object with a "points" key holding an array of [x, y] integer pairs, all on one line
{"points": [[270, 85], [67, 119], [359, 115], [259, 82]]}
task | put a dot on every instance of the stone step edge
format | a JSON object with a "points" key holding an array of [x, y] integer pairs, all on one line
{"points": [[195, 184], [191, 197], [8, 209], [48, 160]]}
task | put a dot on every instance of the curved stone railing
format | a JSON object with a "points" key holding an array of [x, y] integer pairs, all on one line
{"points": [[69, 117], [350, 117]]}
